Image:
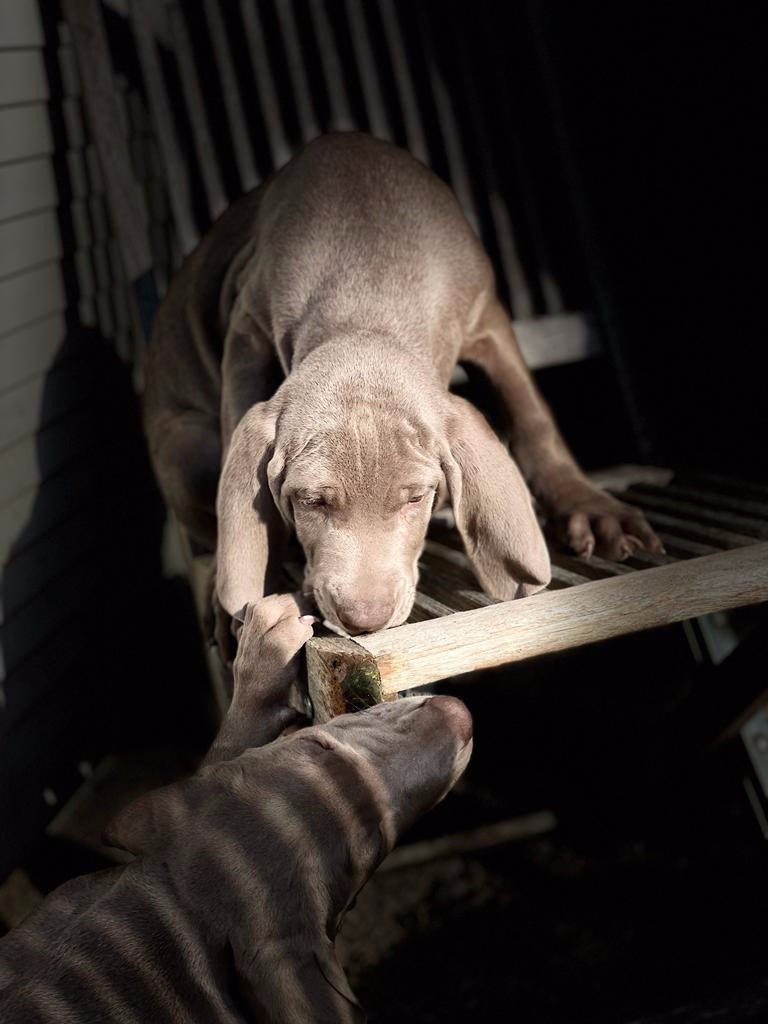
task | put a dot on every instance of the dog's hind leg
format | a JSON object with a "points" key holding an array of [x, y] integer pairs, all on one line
{"points": [[186, 457]]}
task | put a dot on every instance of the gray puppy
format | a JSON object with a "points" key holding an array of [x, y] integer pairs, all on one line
{"points": [[244, 871], [304, 353]]}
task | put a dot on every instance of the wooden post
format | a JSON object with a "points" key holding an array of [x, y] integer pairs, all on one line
{"points": [[342, 677]]}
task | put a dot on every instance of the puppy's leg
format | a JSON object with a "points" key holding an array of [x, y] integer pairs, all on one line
{"points": [[588, 519], [266, 671]]}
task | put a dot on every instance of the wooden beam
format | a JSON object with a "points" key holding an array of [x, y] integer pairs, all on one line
{"points": [[342, 676], [416, 655]]}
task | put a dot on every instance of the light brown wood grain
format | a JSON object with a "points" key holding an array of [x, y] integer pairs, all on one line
{"points": [[415, 655]]}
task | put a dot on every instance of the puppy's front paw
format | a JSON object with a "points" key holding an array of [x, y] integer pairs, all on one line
{"points": [[592, 522], [272, 633]]}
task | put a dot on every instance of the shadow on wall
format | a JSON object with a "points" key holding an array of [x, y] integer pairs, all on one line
{"points": [[89, 658]]}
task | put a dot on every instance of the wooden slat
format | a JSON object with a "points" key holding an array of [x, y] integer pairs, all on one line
{"points": [[642, 559], [204, 148], [257, 49], [708, 499], [449, 129], [374, 102], [341, 116], [232, 102], [618, 478], [686, 528], [562, 577], [174, 165], [593, 568], [683, 547], [726, 484], [430, 606], [519, 290], [414, 130], [746, 525], [416, 655], [297, 71], [126, 202], [440, 581]]}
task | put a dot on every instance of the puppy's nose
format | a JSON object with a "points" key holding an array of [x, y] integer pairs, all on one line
{"points": [[364, 616], [455, 713]]}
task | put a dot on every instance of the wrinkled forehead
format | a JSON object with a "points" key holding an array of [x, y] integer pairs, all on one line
{"points": [[368, 452]]}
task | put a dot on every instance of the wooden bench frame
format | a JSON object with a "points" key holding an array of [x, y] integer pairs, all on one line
{"points": [[345, 674]]}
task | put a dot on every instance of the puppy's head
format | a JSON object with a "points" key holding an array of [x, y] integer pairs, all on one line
{"points": [[357, 484]]}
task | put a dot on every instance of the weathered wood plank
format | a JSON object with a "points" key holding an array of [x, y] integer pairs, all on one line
{"points": [[415, 655], [204, 147], [126, 202], [682, 547], [594, 568], [174, 165], [708, 498], [241, 142], [748, 525], [342, 676], [726, 484]]}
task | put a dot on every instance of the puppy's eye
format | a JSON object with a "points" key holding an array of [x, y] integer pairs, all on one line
{"points": [[312, 501], [416, 498]]}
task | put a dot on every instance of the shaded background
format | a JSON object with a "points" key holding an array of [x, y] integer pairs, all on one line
{"points": [[608, 157]]}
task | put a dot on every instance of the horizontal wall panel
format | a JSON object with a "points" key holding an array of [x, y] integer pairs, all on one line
{"points": [[33, 404], [26, 186], [43, 673], [28, 241], [31, 350], [25, 132], [22, 76], [35, 457], [47, 558], [30, 296], [20, 24], [37, 619], [32, 513]]}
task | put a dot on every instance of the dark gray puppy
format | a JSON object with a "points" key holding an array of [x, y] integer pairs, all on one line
{"points": [[244, 871]]}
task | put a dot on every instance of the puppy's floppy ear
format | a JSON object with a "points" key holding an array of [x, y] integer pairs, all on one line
{"points": [[492, 507], [251, 530]]}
